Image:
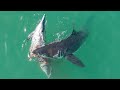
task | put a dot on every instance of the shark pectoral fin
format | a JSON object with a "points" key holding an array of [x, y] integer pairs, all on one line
{"points": [[46, 69], [74, 60]]}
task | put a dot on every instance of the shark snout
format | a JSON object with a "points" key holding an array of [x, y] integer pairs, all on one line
{"points": [[43, 18], [35, 51]]}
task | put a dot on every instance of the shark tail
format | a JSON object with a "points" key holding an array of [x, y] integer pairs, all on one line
{"points": [[88, 23]]}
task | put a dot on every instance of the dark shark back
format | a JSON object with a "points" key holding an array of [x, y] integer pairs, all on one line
{"points": [[65, 46], [68, 45], [75, 40]]}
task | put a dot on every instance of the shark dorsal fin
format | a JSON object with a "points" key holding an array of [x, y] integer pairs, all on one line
{"points": [[73, 32]]}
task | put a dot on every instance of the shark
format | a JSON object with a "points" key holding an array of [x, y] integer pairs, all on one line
{"points": [[64, 48], [37, 38]]}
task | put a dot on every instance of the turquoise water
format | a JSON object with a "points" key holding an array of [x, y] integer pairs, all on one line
{"points": [[100, 53]]}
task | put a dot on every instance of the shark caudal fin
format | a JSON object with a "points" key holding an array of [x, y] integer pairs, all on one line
{"points": [[74, 60], [87, 24]]}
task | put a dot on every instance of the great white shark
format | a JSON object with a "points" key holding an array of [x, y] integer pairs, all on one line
{"points": [[64, 48], [37, 38], [57, 49]]}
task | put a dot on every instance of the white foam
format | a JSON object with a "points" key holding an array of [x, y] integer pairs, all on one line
{"points": [[5, 48], [67, 18], [21, 18], [24, 43], [25, 29], [63, 32], [60, 35], [46, 22]]}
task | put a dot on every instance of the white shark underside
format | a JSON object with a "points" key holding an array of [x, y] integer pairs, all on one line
{"points": [[37, 38]]}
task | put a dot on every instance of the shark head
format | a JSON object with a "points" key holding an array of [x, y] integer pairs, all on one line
{"points": [[36, 51], [41, 25], [37, 37], [43, 22]]}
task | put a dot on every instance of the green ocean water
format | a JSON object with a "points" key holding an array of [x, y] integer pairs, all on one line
{"points": [[100, 53]]}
